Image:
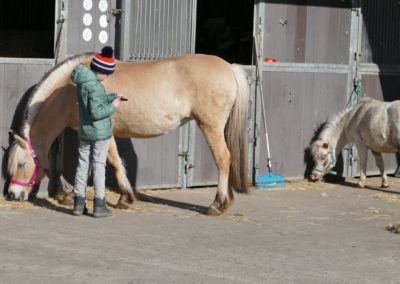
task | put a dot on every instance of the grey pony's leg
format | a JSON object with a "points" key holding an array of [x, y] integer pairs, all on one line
{"points": [[363, 157], [381, 165], [127, 197]]}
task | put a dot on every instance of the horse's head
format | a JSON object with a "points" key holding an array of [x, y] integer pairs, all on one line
{"points": [[22, 169], [324, 159]]}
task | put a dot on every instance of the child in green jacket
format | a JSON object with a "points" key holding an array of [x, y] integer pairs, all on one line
{"points": [[95, 129]]}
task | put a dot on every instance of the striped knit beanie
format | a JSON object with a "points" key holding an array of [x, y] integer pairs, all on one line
{"points": [[104, 62]]}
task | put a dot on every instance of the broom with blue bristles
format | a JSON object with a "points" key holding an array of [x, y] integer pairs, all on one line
{"points": [[270, 179]]}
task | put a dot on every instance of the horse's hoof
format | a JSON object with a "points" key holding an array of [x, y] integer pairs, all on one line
{"points": [[360, 185], [384, 185], [123, 203], [213, 211], [67, 200]]}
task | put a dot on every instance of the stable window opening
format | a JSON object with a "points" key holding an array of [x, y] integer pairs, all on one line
{"points": [[225, 28], [27, 29]]}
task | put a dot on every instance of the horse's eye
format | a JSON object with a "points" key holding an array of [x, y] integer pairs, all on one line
{"points": [[21, 165]]}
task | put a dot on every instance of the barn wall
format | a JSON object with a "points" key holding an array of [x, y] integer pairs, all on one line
{"points": [[17, 78]]}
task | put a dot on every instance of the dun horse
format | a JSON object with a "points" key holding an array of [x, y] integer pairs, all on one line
{"points": [[162, 94], [370, 124]]}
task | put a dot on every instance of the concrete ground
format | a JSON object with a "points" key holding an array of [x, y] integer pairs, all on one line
{"points": [[305, 233]]}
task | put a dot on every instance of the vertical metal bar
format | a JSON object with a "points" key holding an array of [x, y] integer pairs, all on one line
{"points": [[151, 30], [155, 37], [125, 30], [183, 149], [173, 26], [143, 17], [167, 41], [145, 31], [177, 34], [137, 30], [163, 36], [159, 29], [60, 10], [182, 37], [140, 16], [193, 24], [187, 25], [259, 20], [182, 29], [355, 46]]}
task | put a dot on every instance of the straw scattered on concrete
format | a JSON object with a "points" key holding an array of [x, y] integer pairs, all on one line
{"points": [[387, 197], [111, 197], [394, 228]]}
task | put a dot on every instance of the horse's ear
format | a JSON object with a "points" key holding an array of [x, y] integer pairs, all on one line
{"points": [[325, 145], [20, 141]]}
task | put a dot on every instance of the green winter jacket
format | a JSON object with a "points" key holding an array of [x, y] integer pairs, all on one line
{"points": [[95, 106]]}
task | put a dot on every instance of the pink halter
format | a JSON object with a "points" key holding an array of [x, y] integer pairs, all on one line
{"points": [[32, 181]]}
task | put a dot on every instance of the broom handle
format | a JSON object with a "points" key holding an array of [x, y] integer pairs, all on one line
{"points": [[262, 105]]}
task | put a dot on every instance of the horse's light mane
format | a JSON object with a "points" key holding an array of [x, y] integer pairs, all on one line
{"points": [[16, 157], [336, 123], [47, 85], [329, 131], [332, 123]]}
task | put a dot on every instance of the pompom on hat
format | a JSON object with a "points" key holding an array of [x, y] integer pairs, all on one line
{"points": [[104, 62]]}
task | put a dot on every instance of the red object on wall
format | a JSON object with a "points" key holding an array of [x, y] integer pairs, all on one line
{"points": [[270, 60]]}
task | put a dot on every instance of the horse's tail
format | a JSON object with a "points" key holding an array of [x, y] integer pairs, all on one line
{"points": [[236, 134]]}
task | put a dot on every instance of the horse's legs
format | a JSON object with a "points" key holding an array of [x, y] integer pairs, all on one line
{"points": [[362, 156], [224, 197], [127, 197], [380, 164]]}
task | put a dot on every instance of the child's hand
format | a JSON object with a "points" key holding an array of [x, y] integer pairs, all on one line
{"points": [[116, 101]]}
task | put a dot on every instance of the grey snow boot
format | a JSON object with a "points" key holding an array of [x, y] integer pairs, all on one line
{"points": [[100, 209], [79, 206]]}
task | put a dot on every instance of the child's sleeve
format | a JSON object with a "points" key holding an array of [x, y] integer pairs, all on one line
{"points": [[111, 97], [97, 109]]}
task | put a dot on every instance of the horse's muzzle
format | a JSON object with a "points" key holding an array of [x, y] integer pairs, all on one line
{"points": [[19, 195], [315, 177]]}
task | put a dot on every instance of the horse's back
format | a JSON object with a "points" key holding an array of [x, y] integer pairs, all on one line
{"points": [[377, 124], [164, 93]]}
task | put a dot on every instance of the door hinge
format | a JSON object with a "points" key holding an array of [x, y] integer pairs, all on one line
{"points": [[187, 165], [114, 12], [357, 56]]}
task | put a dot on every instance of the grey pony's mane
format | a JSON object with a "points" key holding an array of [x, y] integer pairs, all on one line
{"points": [[330, 129], [336, 123], [47, 85]]}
